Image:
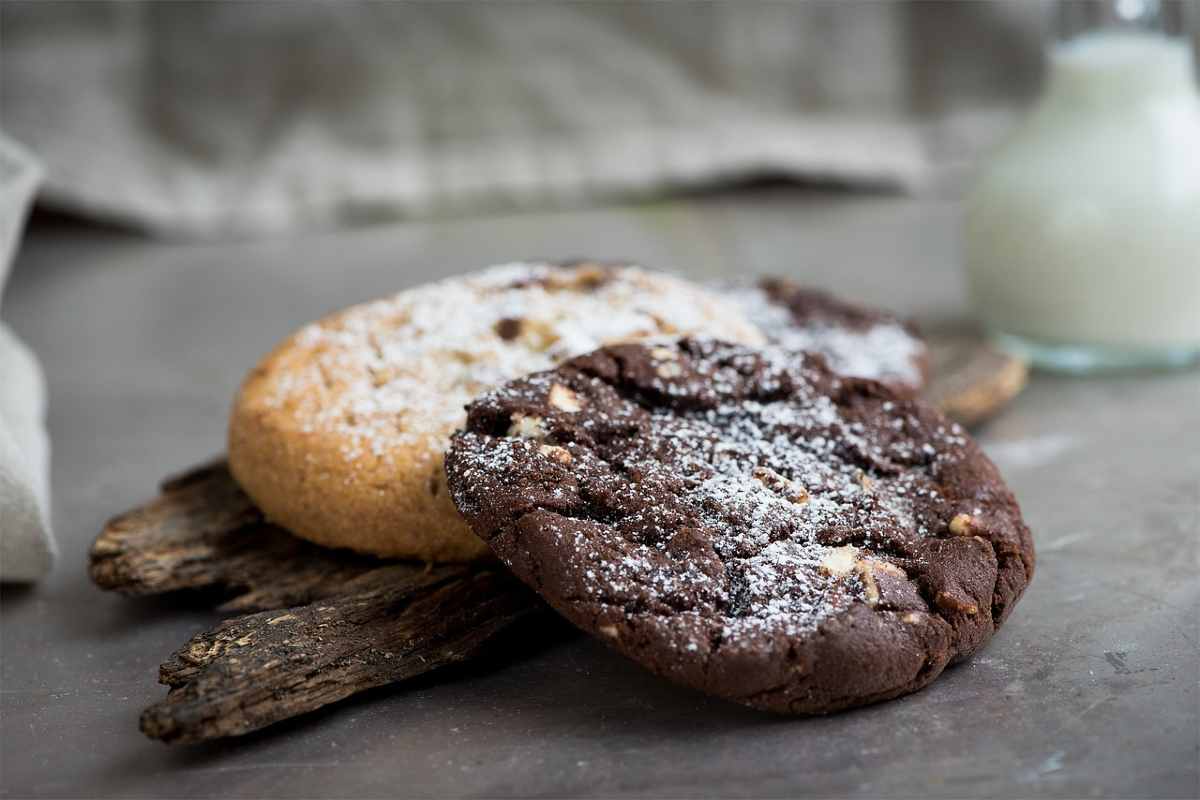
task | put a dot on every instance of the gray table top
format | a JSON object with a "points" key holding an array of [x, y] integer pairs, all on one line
{"points": [[1091, 688]]}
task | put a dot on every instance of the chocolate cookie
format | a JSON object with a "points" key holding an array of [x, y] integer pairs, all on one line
{"points": [[856, 341], [746, 522]]}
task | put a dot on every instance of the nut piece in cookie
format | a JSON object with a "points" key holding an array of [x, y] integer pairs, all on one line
{"points": [[757, 527]]}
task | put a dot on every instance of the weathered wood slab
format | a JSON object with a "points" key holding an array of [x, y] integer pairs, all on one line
{"points": [[330, 623], [391, 624]]}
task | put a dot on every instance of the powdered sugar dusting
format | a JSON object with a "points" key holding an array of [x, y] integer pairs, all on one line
{"points": [[397, 372], [779, 479], [883, 350]]}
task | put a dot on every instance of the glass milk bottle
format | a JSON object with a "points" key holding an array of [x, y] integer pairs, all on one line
{"points": [[1083, 232]]}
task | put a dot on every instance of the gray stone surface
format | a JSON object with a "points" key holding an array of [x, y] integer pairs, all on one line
{"points": [[1091, 689]]}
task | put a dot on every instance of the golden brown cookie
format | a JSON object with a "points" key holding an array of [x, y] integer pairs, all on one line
{"points": [[339, 434]]}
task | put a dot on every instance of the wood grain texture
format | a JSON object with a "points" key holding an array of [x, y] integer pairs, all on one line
{"points": [[202, 532], [390, 624], [329, 624]]}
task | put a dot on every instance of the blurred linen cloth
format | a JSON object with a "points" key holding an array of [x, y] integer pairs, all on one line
{"points": [[26, 546], [218, 118]]}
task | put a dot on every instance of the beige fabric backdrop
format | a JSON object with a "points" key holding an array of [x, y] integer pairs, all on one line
{"points": [[255, 117]]}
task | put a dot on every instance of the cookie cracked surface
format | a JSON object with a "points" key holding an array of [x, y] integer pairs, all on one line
{"points": [[744, 521]]}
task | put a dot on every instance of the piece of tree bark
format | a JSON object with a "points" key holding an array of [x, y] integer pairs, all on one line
{"points": [[203, 532], [331, 623], [391, 624]]}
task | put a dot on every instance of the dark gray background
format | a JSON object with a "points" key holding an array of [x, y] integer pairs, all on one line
{"points": [[1091, 689]]}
